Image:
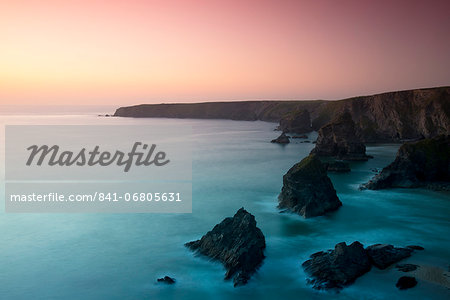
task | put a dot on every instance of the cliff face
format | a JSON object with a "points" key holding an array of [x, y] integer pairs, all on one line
{"points": [[298, 122], [393, 116], [386, 117], [340, 139], [417, 164]]}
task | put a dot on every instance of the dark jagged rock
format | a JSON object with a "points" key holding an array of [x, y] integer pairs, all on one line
{"points": [[406, 267], [340, 139], [237, 243], [417, 164], [338, 166], [382, 256], [304, 136], [337, 268], [406, 282], [298, 122], [307, 190], [282, 139], [167, 280]]}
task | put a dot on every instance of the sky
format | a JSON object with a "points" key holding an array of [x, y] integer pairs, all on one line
{"points": [[130, 52]]}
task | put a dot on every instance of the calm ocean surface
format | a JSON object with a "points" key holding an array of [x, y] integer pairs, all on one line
{"points": [[119, 256]]}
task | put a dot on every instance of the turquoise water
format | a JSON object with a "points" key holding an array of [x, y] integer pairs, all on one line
{"points": [[119, 256]]}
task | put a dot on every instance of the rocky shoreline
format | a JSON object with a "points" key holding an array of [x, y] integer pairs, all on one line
{"points": [[308, 191]]}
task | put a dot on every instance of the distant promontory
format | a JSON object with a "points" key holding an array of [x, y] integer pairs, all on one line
{"points": [[387, 117]]}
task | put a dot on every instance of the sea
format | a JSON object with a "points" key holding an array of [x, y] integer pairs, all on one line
{"points": [[120, 256]]}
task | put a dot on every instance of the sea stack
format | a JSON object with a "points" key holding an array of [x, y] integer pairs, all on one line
{"points": [[422, 163], [307, 190], [237, 243], [282, 139], [340, 139]]}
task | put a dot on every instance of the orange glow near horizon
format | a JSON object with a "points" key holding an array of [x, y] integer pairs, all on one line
{"points": [[128, 52]]}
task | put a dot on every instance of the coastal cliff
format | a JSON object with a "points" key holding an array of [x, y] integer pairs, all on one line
{"points": [[393, 116], [387, 117], [271, 111]]}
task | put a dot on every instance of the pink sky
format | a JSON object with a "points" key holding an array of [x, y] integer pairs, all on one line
{"points": [[129, 52]]}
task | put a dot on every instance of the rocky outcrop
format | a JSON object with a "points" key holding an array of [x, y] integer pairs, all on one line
{"points": [[382, 256], [307, 190], [340, 139], [237, 243], [415, 247], [282, 139], [337, 268], [337, 166], [303, 136], [407, 267], [406, 282], [166, 280], [297, 122], [387, 117], [417, 164]]}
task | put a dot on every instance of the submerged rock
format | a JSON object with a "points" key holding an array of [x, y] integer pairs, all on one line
{"points": [[337, 268], [382, 256], [237, 243], [407, 267], [417, 164], [415, 247], [338, 166], [406, 282], [282, 139], [340, 139], [166, 279], [307, 190]]}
